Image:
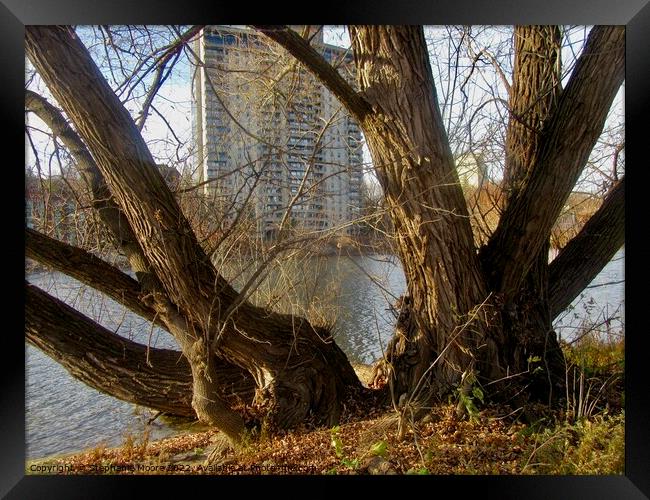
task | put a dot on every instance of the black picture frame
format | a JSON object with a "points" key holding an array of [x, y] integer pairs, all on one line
{"points": [[635, 14]]}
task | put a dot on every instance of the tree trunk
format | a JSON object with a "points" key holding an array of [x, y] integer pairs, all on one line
{"points": [[550, 135], [464, 319], [298, 369], [156, 378], [441, 324], [488, 321], [528, 343], [567, 138]]}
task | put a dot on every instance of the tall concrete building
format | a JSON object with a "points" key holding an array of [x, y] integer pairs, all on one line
{"points": [[270, 138]]}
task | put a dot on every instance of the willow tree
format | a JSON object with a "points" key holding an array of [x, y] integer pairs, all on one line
{"points": [[472, 314]]}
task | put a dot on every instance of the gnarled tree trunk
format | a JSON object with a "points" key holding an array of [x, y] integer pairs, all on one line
{"points": [[528, 341], [156, 378], [298, 369], [416, 170], [490, 319]]}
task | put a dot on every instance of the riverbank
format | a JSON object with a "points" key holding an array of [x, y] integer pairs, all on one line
{"points": [[334, 248], [488, 444], [584, 436]]}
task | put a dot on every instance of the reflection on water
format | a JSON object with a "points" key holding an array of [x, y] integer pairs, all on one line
{"points": [[355, 293]]}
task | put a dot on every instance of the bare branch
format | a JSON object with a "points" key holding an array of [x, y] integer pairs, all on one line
{"points": [[88, 269], [106, 361], [163, 72], [585, 255], [103, 202], [127, 166], [298, 47]]}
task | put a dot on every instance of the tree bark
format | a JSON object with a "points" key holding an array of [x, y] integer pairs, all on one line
{"points": [[415, 167], [120, 287], [90, 270], [159, 379], [463, 318], [109, 213], [526, 331], [534, 94], [152, 292], [544, 161], [568, 137], [550, 135], [105, 361]]}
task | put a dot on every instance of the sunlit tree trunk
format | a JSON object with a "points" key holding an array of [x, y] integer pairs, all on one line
{"points": [[298, 369], [550, 135], [442, 324]]}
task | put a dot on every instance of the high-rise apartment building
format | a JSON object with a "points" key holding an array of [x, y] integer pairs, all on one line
{"points": [[270, 138]]}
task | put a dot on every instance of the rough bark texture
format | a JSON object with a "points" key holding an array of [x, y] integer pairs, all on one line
{"points": [[88, 269], [526, 331], [109, 213], [549, 137], [414, 164], [568, 137], [462, 316], [106, 361], [544, 161], [156, 378], [534, 94], [291, 361], [105, 278]]}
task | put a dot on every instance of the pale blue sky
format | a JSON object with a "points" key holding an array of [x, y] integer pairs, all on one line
{"points": [[175, 97]]}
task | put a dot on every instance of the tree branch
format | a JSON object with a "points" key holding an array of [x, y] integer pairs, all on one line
{"points": [[300, 48], [88, 269], [105, 361], [275, 347], [109, 213], [568, 138], [116, 155], [129, 170], [161, 64], [585, 255], [533, 98], [160, 379], [59, 126]]}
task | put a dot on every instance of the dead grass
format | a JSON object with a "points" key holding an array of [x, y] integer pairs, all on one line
{"points": [[490, 444]]}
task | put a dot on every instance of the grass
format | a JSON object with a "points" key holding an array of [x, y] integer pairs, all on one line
{"points": [[594, 376], [567, 441], [590, 446]]}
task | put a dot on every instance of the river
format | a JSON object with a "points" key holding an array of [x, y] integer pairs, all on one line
{"points": [[64, 415]]}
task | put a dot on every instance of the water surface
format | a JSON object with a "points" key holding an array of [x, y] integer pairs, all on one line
{"points": [[352, 293]]}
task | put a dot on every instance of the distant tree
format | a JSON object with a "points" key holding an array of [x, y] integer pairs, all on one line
{"points": [[472, 315]]}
